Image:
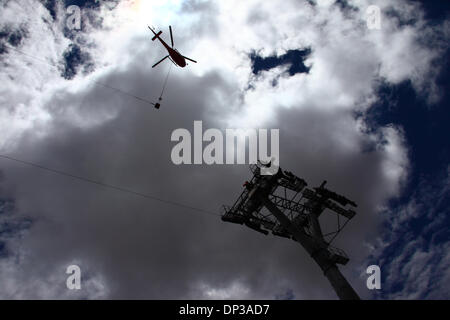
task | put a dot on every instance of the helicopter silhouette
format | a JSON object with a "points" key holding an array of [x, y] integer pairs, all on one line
{"points": [[173, 54]]}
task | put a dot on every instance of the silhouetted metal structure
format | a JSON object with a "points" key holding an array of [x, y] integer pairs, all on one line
{"points": [[282, 204]]}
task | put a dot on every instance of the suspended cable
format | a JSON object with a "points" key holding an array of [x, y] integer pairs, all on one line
{"points": [[110, 186], [93, 81], [165, 82]]}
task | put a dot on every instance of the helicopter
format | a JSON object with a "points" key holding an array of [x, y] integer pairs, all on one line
{"points": [[174, 55]]}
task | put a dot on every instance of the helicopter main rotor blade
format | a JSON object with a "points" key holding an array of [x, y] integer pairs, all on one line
{"points": [[171, 37], [189, 59], [160, 61]]}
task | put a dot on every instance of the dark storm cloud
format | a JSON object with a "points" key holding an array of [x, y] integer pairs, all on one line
{"points": [[132, 150]]}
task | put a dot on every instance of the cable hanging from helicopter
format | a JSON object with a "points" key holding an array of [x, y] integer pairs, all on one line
{"points": [[173, 54]]}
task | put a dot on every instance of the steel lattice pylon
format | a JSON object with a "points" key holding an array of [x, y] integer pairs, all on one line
{"points": [[282, 204]]}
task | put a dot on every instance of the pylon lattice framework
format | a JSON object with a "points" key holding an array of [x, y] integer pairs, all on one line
{"points": [[282, 204]]}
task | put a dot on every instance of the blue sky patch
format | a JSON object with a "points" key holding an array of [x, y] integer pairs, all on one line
{"points": [[294, 58]]}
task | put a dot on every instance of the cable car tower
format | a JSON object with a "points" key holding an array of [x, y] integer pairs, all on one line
{"points": [[282, 204]]}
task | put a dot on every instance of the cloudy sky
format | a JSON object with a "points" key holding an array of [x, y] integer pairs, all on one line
{"points": [[365, 109]]}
